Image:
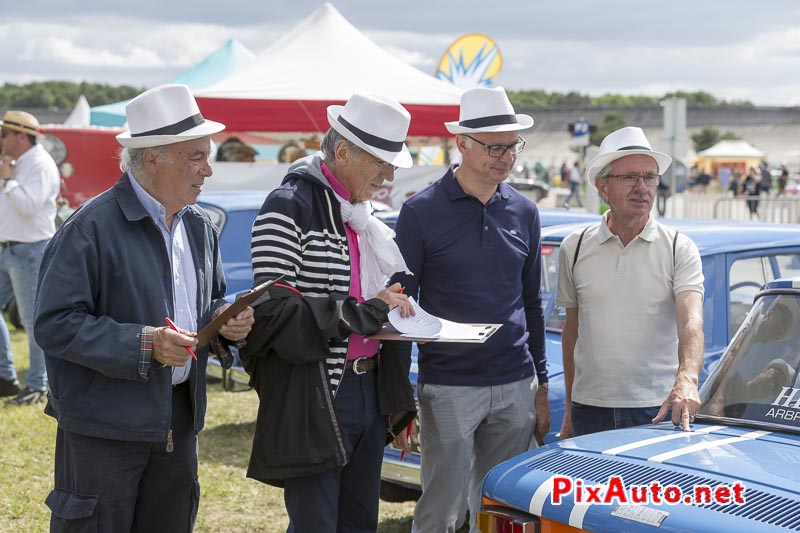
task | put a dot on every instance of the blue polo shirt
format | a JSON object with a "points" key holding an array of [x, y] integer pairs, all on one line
{"points": [[475, 263]]}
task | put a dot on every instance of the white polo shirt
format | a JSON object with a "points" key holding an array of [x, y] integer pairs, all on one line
{"points": [[627, 349]]}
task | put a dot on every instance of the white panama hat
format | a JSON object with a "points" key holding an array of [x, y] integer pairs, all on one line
{"points": [[622, 143], [487, 110], [376, 124], [166, 114]]}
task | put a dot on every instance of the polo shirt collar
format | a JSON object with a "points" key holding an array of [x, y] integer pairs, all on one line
{"points": [[648, 233], [455, 192]]}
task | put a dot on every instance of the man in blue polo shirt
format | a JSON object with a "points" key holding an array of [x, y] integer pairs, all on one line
{"points": [[473, 244]]}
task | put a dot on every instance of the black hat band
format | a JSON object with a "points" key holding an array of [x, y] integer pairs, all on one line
{"points": [[372, 140], [174, 129], [494, 120], [19, 125]]}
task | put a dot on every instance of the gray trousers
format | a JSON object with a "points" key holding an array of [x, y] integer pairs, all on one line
{"points": [[464, 433]]}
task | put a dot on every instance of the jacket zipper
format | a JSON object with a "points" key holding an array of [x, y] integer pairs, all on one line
{"points": [[340, 452]]}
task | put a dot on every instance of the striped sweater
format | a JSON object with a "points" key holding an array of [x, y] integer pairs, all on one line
{"points": [[299, 233]]}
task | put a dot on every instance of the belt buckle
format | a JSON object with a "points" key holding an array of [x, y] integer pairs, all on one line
{"points": [[356, 364]]}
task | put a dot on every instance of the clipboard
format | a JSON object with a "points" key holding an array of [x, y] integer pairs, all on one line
{"points": [[389, 333], [205, 335]]}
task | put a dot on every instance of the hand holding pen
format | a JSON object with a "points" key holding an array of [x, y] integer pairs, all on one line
{"points": [[172, 346]]}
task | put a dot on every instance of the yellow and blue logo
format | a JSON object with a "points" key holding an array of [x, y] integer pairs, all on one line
{"points": [[473, 60]]}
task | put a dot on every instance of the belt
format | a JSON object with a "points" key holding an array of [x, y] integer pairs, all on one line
{"points": [[362, 365], [8, 244]]}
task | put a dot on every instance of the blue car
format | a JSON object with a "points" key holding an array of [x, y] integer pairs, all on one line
{"points": [[738, 259], [737, 471]]}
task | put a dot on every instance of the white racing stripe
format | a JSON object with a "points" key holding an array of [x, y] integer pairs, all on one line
{"points": [[540, 496], [654, 440], [577, 514], [660, 458]]}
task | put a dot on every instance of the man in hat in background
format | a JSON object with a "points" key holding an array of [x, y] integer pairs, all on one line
{"points": [[28, 192], [128, 397], [474, 246], [632, 342], [325, 391]]}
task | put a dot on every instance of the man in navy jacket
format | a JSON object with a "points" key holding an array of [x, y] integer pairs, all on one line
{"points": [[128, 397]]}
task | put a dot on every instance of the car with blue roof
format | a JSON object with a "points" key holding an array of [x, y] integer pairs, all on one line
{"points": [[737, 470], [738, 258]]}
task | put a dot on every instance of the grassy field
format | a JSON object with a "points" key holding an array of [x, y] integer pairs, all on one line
{"points": [[229, 503]]}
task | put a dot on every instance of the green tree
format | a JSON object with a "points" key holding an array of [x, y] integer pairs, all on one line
{"points": [[709, 136], [612, 121]]}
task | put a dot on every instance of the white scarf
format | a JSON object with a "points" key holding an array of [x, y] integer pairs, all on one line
{"points": [[380, 256]]}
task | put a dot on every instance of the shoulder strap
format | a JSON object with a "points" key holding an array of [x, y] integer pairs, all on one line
{"points": [[674, 245], [578, 248]]}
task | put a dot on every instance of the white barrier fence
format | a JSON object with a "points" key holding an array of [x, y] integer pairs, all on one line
{"points": [[780, 209]]}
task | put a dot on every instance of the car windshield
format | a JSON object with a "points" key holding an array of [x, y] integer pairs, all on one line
{"points": [[757, 381]]}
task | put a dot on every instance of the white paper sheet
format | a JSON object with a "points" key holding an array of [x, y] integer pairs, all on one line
{"points": [[426, 325]]}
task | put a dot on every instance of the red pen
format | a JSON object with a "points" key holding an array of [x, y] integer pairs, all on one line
{"points": [[173, 327]]}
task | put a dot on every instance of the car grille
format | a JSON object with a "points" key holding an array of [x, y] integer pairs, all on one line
{"points": [[760, 506]]}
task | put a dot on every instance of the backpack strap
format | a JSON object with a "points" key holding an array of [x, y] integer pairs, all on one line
{"points": [[578, 248]]}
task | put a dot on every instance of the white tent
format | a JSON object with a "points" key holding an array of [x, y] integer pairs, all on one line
{"points": [[323, 61], [732, 149], [80, 114]]}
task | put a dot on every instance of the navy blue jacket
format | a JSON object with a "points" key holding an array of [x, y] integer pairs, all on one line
{"points": [[105, 275]]}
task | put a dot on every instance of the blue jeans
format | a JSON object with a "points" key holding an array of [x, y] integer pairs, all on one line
{"points": [[588, 419], [19, 274]]}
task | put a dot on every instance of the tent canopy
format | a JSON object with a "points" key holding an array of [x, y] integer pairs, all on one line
{"points": [[323, 61], [732, 149], [216, 66]]}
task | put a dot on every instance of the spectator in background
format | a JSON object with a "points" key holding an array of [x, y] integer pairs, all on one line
{"points": [[703, 179], [233, 149], [735, 184], [564, 172], [28, 193], [724, 177], [662, 193], [783, 179], [574, 185], [766, 178], [750, 189], [293, 153]]}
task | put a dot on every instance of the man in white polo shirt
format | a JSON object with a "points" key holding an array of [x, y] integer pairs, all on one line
{"points": [[633, 290]]}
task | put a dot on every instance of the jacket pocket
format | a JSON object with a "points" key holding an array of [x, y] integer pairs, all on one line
{"points": [[72, 512]]}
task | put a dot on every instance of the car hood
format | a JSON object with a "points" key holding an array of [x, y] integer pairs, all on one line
{"points": [[765, 462]]}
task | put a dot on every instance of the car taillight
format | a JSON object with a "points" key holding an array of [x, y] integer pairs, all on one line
{"points": [[504, 521], [495, 517]]}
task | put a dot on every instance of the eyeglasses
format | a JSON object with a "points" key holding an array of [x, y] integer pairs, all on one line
{"points": [[383, 165], [499, 150], [630, 180]]}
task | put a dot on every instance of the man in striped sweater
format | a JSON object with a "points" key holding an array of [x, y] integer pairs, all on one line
{"points": [[324, 399]]}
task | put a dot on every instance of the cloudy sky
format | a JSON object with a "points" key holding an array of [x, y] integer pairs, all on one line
{"points": [[734, 49]]}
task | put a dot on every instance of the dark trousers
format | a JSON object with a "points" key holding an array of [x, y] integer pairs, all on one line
{"points": [[118, 486], [344, 499], [588, 419]]}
